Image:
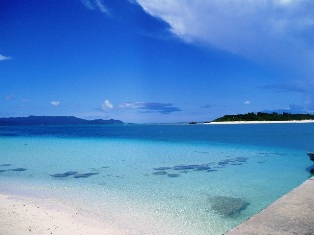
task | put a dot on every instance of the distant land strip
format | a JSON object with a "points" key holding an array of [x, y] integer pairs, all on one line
{"points": [[264, 117], [53, 120]]}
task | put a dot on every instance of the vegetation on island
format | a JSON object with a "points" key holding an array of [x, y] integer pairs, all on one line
{"points": [[260, 116], [53, 120]]}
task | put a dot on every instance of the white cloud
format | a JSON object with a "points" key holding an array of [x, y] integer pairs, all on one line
{"points": [[131, 105], [55, 103], [95, 5], [106, 105], [3, 57], [267, 31], [247, 102]]}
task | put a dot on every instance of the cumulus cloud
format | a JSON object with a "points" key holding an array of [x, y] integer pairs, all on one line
{"points": [[163, 108], [95, 5], [273, 30], [55, 103], [3, 57], [106, 105], [247, 102]]}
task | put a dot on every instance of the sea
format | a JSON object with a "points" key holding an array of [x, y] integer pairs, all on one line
{"points": [[158, 179]]}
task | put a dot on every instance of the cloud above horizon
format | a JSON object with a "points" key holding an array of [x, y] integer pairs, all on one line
{"points": [[55, 103], [293, 108], [96, 5], [163, 108], [267, 31], [304, 87], [106, 105], [208, 106], [3, 57]]}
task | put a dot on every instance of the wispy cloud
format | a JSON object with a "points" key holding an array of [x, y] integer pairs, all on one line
{"points": [[293, 108], [3, 57], [9, 97], [25, 100], [163, 108], [309, 103], [208, 106], [304, 87], [95, 5], [55, 103], [247, 102], [106, 105], [267, 31]]}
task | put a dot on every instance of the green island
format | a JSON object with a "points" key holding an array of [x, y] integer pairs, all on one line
{"points": [[261, 116]]}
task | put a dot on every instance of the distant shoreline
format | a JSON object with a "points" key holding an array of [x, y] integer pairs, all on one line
{"points": [[53, 120], [259, 122], [261, 117]]}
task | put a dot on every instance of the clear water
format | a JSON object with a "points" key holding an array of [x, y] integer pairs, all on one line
{"points": [[215, 176]]}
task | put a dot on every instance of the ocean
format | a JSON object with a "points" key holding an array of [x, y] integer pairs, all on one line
{"points": [[158, 179]]}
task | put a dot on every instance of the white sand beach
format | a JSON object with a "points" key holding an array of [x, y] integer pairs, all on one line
{"points": [[259, 122], [23, 215], [290, 214]]}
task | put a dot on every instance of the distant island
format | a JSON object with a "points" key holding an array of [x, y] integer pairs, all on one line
{"points": [[260, 117], [53, 120]]}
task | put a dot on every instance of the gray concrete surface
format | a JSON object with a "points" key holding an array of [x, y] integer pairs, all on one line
{"points": [[291, 214]]}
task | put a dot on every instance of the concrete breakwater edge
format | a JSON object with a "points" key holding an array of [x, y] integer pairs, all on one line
{"points": [[291, 214]]}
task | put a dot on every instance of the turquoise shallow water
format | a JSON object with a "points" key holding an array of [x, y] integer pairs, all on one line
{"points": [[157, 179]]}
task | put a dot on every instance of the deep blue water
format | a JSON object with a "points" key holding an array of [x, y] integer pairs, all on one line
{"points": [[278, 135]]}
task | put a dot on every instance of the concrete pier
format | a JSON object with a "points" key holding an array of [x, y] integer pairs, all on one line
{"points": [[291, 214]]}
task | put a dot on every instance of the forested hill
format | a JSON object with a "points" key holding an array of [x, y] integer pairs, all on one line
{"points": [[53, 120], [260, 116]]}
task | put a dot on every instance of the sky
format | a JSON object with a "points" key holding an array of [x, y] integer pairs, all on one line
{"points": [[156, 61]]}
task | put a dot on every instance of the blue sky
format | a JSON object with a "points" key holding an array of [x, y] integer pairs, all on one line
{"points": [[156, 61]]}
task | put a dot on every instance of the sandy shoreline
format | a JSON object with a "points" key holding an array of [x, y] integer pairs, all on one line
{"points": [[259, 122], [20, 214], [23, 215]]}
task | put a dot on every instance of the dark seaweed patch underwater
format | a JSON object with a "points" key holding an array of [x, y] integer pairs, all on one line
{"points": [[173, 175], [18, 169], [228, 206], [85, 175], [66, 174], [75, 174], [160, 173], [205, 167], [6, 165]]}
